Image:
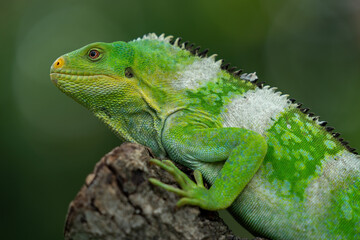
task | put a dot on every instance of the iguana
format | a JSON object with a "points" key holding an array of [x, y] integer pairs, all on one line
{"points": [[276, 167]]}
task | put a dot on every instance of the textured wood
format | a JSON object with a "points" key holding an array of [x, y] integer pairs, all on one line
{"points": [[118, 202]]}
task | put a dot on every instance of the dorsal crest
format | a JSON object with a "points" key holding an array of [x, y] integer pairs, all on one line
{"points": [[237, 72]]}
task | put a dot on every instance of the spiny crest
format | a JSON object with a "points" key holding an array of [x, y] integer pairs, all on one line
{"points": [[323, 124], [153, 36], [235, 71], [251, 77], [176, 42]]}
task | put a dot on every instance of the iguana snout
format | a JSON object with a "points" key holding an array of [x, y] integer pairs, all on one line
{"points": [[59, 63]]}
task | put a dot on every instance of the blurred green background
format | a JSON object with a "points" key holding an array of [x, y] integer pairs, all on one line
{"points": [[309, 49]]}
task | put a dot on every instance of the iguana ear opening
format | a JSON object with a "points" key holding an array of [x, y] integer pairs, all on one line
{"points": [[129, 72]]}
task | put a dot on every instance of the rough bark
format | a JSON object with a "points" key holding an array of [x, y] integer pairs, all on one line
{"points": [[118, 202]]}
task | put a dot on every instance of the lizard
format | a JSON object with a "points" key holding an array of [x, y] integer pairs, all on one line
{"points": [[279, 170]]}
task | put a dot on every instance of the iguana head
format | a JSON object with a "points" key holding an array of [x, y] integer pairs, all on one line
{"points": [[124, 84], [96, 73], [135, 72]]}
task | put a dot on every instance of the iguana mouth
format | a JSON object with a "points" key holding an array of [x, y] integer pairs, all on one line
{"points": [[75, 76]]}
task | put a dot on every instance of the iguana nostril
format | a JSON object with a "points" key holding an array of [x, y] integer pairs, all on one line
{"points": [[59, 62]]}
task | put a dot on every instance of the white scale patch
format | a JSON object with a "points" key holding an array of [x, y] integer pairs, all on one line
{"points": [[305, 216], [256, 110], [199, 72], [335, 172], [340, 166], [194, 75]]}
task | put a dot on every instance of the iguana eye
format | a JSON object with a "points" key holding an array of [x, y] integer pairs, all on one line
{"points": [[94, 54]]}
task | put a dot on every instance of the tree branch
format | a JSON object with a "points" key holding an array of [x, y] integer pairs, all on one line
{"points": [[118, 202]]}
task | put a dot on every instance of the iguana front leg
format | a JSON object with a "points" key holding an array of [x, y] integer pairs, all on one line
{"points": [[242, 150]]}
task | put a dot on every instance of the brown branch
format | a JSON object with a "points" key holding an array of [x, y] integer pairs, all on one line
{"points": [[118, 202]]}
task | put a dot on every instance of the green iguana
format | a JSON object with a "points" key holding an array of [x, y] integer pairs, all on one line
{"points": [[277, 168]]}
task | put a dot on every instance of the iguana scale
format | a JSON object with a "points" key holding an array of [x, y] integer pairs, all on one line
{"points": [[277, 168]]}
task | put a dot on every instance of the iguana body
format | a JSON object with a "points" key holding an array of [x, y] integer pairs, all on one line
{"points": [[278, 170]]}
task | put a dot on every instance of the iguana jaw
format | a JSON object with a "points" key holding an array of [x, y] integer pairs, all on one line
{"points": [[79, 84], [56, 76]]}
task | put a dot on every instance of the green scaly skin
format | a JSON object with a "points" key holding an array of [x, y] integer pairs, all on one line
{"points": [[287, 178]]}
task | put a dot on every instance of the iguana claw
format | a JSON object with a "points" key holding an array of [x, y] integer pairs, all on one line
{"points": [[193, 193]]}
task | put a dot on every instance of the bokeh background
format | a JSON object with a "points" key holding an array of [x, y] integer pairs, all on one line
{"points": [[309, 49]]}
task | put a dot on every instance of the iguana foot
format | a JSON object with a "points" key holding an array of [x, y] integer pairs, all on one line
{"points": [[192, 193]]}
